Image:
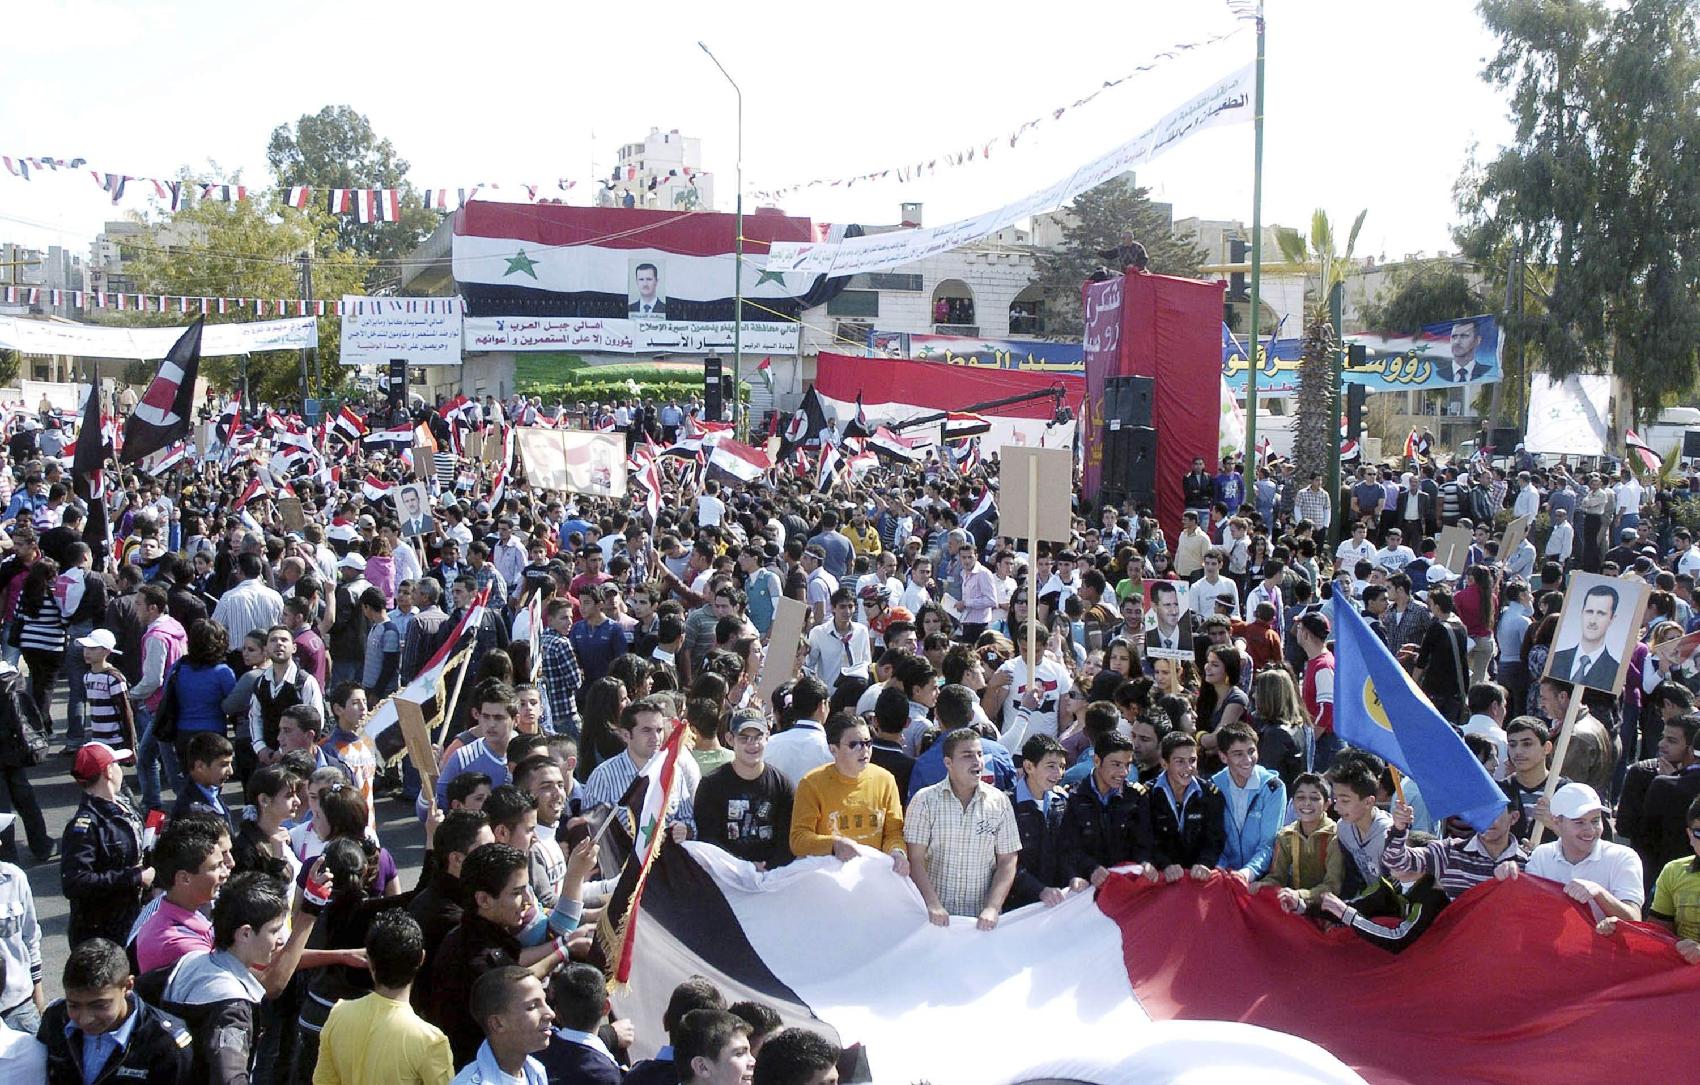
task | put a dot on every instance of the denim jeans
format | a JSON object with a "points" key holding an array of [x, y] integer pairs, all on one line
{"points": [[76, 699], [24, 1017], [343, 671], [153, 756]]}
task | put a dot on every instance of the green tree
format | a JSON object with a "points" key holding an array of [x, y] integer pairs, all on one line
{"points": [[1424, 292], [1097, 218], [337, 148], [1316, 426], [1596, 193], [245, 249]]}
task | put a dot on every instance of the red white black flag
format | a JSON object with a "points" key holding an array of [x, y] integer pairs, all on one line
{"points": [[163, 416]]}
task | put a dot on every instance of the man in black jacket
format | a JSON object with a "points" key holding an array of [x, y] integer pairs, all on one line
{"points": [[1098, 823], [100, 865], [1197, 488], [1039, 808], [1181, 828], [439, 903], [133, 1041]]}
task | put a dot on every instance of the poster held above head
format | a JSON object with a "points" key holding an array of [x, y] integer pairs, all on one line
{"points": [[1168, 626], [1452, 548], [574, 461], [1515, 532], [413, 509], [1597, 631]]}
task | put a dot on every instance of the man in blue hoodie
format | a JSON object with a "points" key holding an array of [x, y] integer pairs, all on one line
{"points": [[1255, 803]]}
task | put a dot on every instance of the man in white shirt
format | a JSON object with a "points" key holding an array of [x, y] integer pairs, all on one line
{"points": [[1688, 554], [1528, 501], [802, 747], [1212, 587], [1593, 871], [1355, 549], [1629, 494], [1487, 719], [915, 594], [840, 646], [710, 509], [1393, 557], [1562, 539]]}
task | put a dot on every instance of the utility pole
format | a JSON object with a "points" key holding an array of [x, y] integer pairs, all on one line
{"points": [[1256, 254], [305, 261], [737, 258], [1336, 359]]}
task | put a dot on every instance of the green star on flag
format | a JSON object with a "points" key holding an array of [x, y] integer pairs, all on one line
{"points": [[771, 277], [521, 262]]}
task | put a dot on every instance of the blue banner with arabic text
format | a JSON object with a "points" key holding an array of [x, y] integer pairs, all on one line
{"points": [[1444, 355]]}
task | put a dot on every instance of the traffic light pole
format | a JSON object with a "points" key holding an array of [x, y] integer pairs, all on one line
{"points": [[1256, 256]]}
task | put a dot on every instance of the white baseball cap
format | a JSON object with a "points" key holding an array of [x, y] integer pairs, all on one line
{"points": [[352, 561], [100, 638], [1576, 801]]}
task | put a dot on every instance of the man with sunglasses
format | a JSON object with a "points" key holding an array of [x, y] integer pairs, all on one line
{"points": [[849, 802]]}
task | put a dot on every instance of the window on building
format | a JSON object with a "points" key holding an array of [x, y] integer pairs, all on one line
{"points": [[855, 303]]}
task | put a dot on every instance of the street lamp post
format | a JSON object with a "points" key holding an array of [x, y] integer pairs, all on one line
{"points": [[737, 253]]}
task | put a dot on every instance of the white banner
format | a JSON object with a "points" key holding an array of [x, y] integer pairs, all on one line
{"points": [[97, 341], [423, 331], [1569, 417], [573, 460], [1227, 101], [484, 333]]}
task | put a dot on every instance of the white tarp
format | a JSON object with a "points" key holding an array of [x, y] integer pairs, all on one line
{"points": [[484, 333], [423, 331], [1226, 101], [1006, 430], [1569, 417], [149, 344]]}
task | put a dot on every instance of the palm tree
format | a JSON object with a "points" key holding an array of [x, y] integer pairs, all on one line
{"points": [[1324, 269]]}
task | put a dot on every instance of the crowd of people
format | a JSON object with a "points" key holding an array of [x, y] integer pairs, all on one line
{"points": [[235, 915]]}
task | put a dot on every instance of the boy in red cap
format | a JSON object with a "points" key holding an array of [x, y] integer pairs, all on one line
{"points": [[100, 865]]}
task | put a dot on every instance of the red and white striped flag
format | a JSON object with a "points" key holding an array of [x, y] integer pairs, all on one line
{"points": [[340, 201], [1650, 460], [298, 197], [374, 489]]}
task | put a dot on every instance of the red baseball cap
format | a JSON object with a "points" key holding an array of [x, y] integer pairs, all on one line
{"points": [[94, 757]]}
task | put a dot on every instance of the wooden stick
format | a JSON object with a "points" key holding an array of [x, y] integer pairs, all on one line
{"points": [[1558, 753], [1398, 782], [1032, 572]]}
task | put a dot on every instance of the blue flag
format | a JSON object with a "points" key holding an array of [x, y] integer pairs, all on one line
{"points": [[1378, 708]]}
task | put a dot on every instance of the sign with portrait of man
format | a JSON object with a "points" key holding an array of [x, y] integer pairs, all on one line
{"points": [[646, 295], [573, 461], [413, 509], [1597, 631], [1168, 626]]}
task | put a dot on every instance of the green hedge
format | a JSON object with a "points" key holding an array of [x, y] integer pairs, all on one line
{"points": [[602, 391]]}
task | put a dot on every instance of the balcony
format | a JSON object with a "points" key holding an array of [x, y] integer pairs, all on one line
{"points": [[972, 331]]}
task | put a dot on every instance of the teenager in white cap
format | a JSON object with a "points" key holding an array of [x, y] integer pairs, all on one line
{"points": [[1592, 869]]}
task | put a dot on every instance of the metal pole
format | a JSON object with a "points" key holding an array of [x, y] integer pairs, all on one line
{"points": [[1256, 254], [737, 256], [1336, 315], [306, 388]]}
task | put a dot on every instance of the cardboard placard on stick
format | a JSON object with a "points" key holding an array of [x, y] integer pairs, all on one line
{"points": [[1053, 468], [780, 666], [1515, 532], [494, 442], [411, 717], [289, 508], [424, 461], [472, 445], [1452, 548]]}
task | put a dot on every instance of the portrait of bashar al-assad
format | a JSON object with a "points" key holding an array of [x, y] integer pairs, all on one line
{"points": [[413, 509], [1466, 338], [1596, 631], [645, 296]]}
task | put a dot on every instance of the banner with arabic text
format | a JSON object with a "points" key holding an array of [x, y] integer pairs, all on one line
{"points": [[150, 344], [1452, 352], [423, 331], [1030, 355], [627, 336]]}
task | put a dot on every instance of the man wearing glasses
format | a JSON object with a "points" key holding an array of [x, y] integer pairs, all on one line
{"points": [[849, 802], [744, 806]]}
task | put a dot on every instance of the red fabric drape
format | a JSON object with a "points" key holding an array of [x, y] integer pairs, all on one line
{"points": [[1510, 985], [1172, 331]]}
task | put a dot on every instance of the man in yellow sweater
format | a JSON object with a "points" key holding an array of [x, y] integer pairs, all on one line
{"points": [[848, 802], [377, 1039]]}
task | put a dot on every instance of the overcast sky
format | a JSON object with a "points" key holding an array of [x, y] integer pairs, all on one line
{"points": [[1369, 104]]}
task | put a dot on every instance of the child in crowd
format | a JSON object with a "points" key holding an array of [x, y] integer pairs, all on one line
{"points": [[110, 718], [1303, 849]]}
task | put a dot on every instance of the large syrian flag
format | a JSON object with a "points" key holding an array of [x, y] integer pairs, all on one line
{"points": [[88, 477], [743, 462], [555, 260], [1159, 983], [166, 409], [428, 689]]}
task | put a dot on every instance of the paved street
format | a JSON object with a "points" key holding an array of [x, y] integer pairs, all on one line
{"points": [[58, 794]]}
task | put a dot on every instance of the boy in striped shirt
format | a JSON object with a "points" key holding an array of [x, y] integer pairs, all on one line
{"points": [[110, 718]]}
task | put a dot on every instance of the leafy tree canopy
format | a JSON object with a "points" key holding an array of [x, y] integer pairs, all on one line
{"points": [[337, 148], [1423, 293], [1098, 217]]}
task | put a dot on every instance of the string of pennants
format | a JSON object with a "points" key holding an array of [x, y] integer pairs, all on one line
{"points": [[366, 204], [179, 303], [1242, 10]]}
